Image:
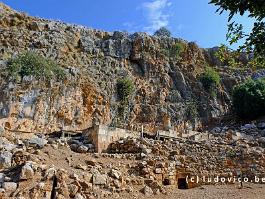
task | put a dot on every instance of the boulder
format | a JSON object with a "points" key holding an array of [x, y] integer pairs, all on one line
{"points": [[80, 166], [27, 172], [5, 144], [262, 133], [73, 147], [37, 142], [248, 127], [100, 179], [5, 159], [216, 130], [155, 186], [262, 141], [82, 149], [35, 26], [261, 125], [86, 44], [147, 151], [147, 191], [9, 186], [2, 130], [73, 189], [115, 174], [2, 193], [2, 178], [49, 173], [79, 196]]}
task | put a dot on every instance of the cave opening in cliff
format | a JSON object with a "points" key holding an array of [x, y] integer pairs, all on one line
{"points": [[182, 184], [166, 182]]}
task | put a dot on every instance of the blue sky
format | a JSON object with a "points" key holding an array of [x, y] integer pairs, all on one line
{"points": [[193, 20]]}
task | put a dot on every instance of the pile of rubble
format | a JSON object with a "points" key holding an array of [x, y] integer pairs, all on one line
{"points": [[81, 146], [42, 167], [223, 153], [23, 174]]}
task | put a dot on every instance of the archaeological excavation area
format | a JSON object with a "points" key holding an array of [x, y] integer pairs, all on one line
{"points": [[67, 166], [91, 114]]}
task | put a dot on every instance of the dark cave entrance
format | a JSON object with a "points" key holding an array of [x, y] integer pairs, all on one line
{"points": [[182, 184], [166, 182]]}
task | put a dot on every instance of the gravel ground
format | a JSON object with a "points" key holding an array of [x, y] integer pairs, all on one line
{"points": [[250, 191]]}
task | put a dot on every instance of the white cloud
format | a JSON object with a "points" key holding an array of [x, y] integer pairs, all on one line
{"points": [[156, 14]]}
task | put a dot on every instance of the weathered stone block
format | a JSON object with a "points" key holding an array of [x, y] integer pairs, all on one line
{"points": [[100, 179], [5, 159]]}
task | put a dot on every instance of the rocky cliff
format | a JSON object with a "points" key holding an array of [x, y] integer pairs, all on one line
{"points": [[165, 82]]}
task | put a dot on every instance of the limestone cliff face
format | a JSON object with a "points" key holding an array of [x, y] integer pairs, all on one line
{"points": [[94, 61]]}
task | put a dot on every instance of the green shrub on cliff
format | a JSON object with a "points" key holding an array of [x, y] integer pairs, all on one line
{"points": [[33, 64], [125, 89], [249, 99], [180, 48], [191, 110], [210, 80], [175, 51]]}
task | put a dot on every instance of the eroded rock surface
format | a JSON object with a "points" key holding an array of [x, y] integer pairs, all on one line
{"points": [[95, 60]]}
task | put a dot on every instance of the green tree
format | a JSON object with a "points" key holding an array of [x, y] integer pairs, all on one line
{"points": [[125, 89], [228, 56], [231, 58], [30, 63], [210, 80], [249, 99], [255, 40]]}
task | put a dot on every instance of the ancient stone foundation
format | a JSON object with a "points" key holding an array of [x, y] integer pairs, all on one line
{"points": [[102, 136]]}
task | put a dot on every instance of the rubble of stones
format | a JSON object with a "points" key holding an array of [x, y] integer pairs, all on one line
{"points": [[81, 146], [224, 152]]}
